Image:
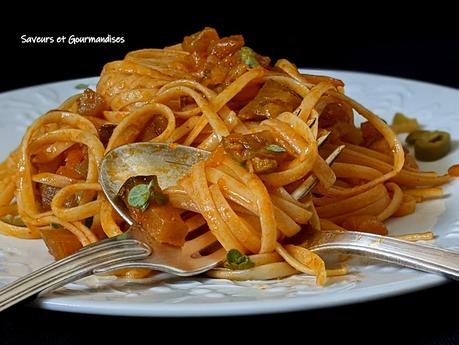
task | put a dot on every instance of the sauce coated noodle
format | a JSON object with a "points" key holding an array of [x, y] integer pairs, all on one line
{"points": [[261, 121]]}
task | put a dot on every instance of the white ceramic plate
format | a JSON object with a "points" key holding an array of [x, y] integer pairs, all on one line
{"points": [[435, 107]]}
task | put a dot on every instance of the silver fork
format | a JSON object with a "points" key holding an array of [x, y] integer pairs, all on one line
{"points": [[413, 255], [131, 249]]}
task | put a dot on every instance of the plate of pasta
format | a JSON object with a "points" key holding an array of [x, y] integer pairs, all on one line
{"points": [[269, 127]]}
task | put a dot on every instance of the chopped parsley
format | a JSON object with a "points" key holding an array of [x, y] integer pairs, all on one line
{"points": [[139, 196], [235, 260], [249, 57], [81, 86]]}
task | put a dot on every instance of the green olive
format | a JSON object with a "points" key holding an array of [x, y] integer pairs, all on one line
{"points": [[430, 145], [401, 119], [415, 136]]}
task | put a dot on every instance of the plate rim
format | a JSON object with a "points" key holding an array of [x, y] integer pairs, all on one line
{"points": [[244, 308]]}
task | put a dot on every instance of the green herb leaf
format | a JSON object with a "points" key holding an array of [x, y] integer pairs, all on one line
{"points": [[233, 256], [275, 148], [81, 86], [55, 225], [249, 57], [235, 260], [139, 196]]}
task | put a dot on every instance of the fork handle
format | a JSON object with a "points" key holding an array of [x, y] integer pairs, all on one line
{"points": [[413, 255], [71, 268]]}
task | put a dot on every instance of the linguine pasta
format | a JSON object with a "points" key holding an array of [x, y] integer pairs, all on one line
{"points": [[261, 122]]}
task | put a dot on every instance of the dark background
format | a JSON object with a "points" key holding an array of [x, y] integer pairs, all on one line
{"points": [[418, 43]]}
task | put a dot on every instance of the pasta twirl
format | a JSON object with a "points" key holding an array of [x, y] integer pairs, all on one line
{"points": [[261, 122]]}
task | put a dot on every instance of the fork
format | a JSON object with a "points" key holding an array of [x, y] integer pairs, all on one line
{"points": [[403, 253], [131, 249]]}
